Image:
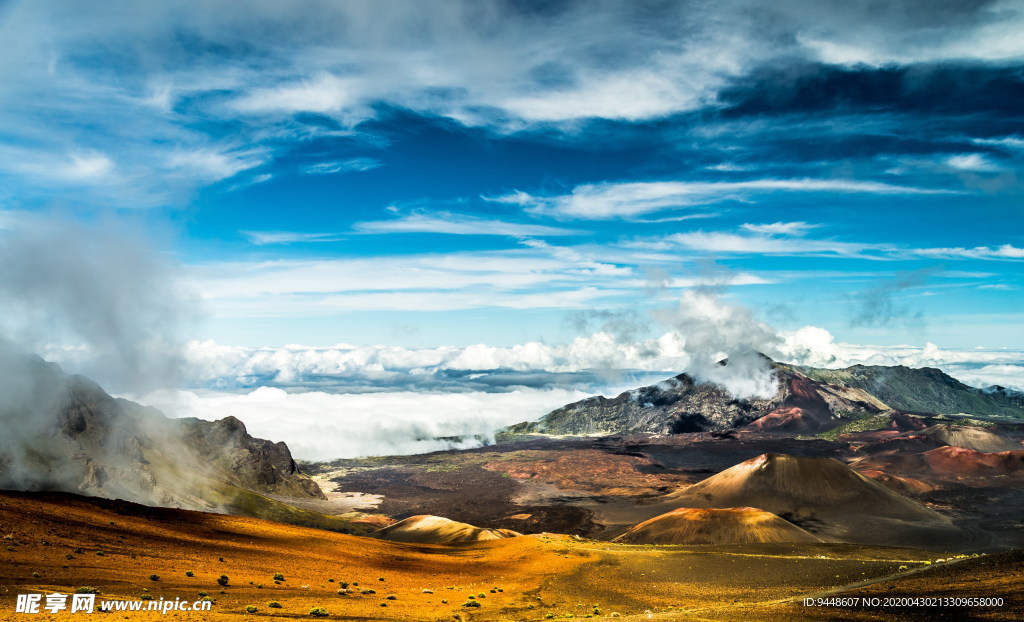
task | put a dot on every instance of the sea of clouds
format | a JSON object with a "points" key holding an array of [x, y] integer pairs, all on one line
{"points": [[346, 401]]}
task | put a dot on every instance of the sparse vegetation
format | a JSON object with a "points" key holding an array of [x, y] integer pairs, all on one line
{"points": [[251, 609], [154, 577], [274, 605], [146, 597], [860, 424], [223, 580], [344, 584], [319, 612], [278, 576], [189, 573], [87, 589], [471, 603]]}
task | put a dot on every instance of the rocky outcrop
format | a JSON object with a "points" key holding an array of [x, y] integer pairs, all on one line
{"points": [[66, 433]]}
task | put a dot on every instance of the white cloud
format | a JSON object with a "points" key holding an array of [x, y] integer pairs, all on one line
{"points": [[322, 93], [1006, 251], [325, 426], [211, 164], [608, 200], [355, 165], [288, 237], [388, 400], [257, 68], [88, 166], [718, 242], [975, 162], [780, 228], [459, 224], [1009, 142]]}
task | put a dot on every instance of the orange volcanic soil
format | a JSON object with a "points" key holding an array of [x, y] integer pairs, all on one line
{"points": [[72, 541], [586, 469], [59, 542], [715, 526]]}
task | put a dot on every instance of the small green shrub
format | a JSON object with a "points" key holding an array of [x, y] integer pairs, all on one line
{"points": [[342, 584], [154, 577], [87, 589], [189, 573], [471, 603], [319, 612], [146, 597], [251, 609], [223, 580], [278, 576], [35, 575], [274, 605]]}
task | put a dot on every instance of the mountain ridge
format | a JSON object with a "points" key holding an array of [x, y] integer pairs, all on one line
{"points": [[808, 400]]}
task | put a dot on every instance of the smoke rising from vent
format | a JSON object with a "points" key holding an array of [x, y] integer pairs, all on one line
{"points": [[101, 294], [713, 330]]}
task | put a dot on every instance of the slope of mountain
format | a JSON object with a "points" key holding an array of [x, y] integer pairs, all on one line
{"points": [[715, 526], [65, 433], [821, 495], [808, 400], [925, 390], [426, 529]]}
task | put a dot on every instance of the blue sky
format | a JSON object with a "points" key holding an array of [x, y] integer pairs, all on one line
{"points": [[448, 173]]}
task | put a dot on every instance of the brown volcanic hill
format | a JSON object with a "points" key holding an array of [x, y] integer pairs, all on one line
{"points": [[963, 461], [822, 495], [64, 432], [681, 404], [426, 529], [715, 526], [970, 437]]}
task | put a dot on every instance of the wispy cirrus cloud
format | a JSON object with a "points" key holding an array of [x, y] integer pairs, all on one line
{"points": [[354, 165], [627, 200], [779, 228], [261, 238], [775, 242], [459, 224]]}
